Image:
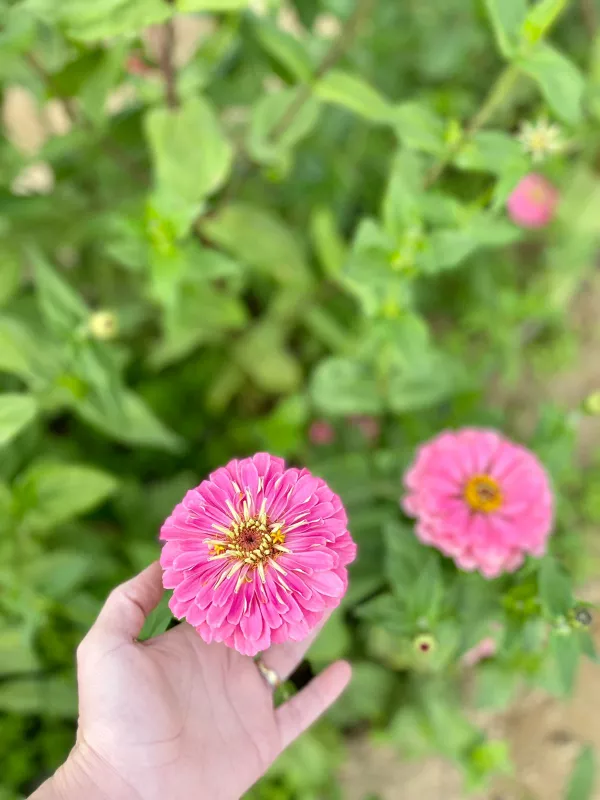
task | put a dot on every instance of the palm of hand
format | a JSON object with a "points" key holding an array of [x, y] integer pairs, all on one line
{"points": [[174, 717]]}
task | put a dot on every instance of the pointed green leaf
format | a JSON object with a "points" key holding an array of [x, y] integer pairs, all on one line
{"points": [[353, 93], [560, 81], [580, 785], [16, 412], [507, 18]]}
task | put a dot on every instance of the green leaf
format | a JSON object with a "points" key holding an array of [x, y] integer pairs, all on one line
{"points": [[16, 652], [329, 246], [286, 49], [341, 386], [136, 425], [271, 136], [10, 274], [18, 350], [158, 620], [496, 685], [109, 18], [191, 158], [402, 202], [507, 18], [53, 493], [368, 696], [258, 238], [560, 81], [566, 653], [555, 588], [580, 785], [263, 355], [201, 314], [333, 641], [16, 412], [353, 93], [541, 18], [60, 304], [56, 574], [186, 6], [435, 380], [47, 697], [492, 151], [419, 128]]}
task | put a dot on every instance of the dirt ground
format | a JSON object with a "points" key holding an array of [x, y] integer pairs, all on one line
{"points": [[545, 736]]}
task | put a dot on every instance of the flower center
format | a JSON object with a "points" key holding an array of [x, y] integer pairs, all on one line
{"points": [[482, 493], [250, 540]]}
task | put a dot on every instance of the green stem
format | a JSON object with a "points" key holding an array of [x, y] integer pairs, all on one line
{"points": [[496, 98]]}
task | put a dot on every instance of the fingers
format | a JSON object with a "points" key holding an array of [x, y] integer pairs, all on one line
{"points": [[124, 613], [284, 658], [299, 713]]}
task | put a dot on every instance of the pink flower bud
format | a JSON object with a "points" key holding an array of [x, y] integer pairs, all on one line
{"points": [[321, 432], [533, 203], [486, 648]]}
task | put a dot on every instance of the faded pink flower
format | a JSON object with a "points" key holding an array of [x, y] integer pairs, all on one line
{"points": [[533, 202], [368, 426], [480, 499], [256, 554], [321, 432], [486, 648]]}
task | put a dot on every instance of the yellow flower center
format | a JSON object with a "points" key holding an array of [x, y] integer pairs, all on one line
{"points": [[482, 493], [250, 540]]}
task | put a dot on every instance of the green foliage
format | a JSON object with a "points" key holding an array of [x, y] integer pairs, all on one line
{"points": [[271, 229], [581, 780]]}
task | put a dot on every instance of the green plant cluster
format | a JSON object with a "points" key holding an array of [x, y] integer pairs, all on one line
{"points": [[301, 219]]}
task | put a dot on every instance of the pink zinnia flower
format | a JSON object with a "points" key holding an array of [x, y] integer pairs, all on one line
{"points": [[533, 202], [321, 432], [256, 554], [486, 648], [480, 499]]}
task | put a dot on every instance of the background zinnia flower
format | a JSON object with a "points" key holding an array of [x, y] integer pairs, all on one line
{"points": [[480, 499], [533, 202], [256, 554], [486, 648], [321, 432]]}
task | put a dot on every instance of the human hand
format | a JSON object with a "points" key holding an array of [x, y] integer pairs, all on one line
{"points": [[174, 718]]}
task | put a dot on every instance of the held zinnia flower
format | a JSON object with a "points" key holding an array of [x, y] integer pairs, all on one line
{"points": [[480, 499], [256, 554]]}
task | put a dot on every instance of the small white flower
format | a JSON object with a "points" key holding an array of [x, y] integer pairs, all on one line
{"points": [[540, 139], [259, 7]]}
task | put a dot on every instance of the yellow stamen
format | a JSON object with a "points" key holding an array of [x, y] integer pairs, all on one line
{"points": [[483, 493]]}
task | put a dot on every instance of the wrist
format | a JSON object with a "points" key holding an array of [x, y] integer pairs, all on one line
{"points": [[84, 774]]}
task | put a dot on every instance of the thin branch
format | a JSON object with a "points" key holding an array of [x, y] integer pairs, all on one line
{"points": [[338, 49], [167, 63]]}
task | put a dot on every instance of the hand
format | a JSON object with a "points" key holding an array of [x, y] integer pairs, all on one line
{"points": [[173, 718]]}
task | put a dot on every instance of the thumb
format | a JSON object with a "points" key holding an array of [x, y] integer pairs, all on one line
{"points": [[123, 615]]}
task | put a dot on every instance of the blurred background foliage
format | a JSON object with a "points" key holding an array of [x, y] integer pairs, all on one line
{"points": [[240, 225]]}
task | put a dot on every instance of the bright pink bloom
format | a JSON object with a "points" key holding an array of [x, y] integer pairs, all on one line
{"points": [[486, 648], [256, 554], [533, 202], [480, 499], [321, 432], [368, 426]]}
